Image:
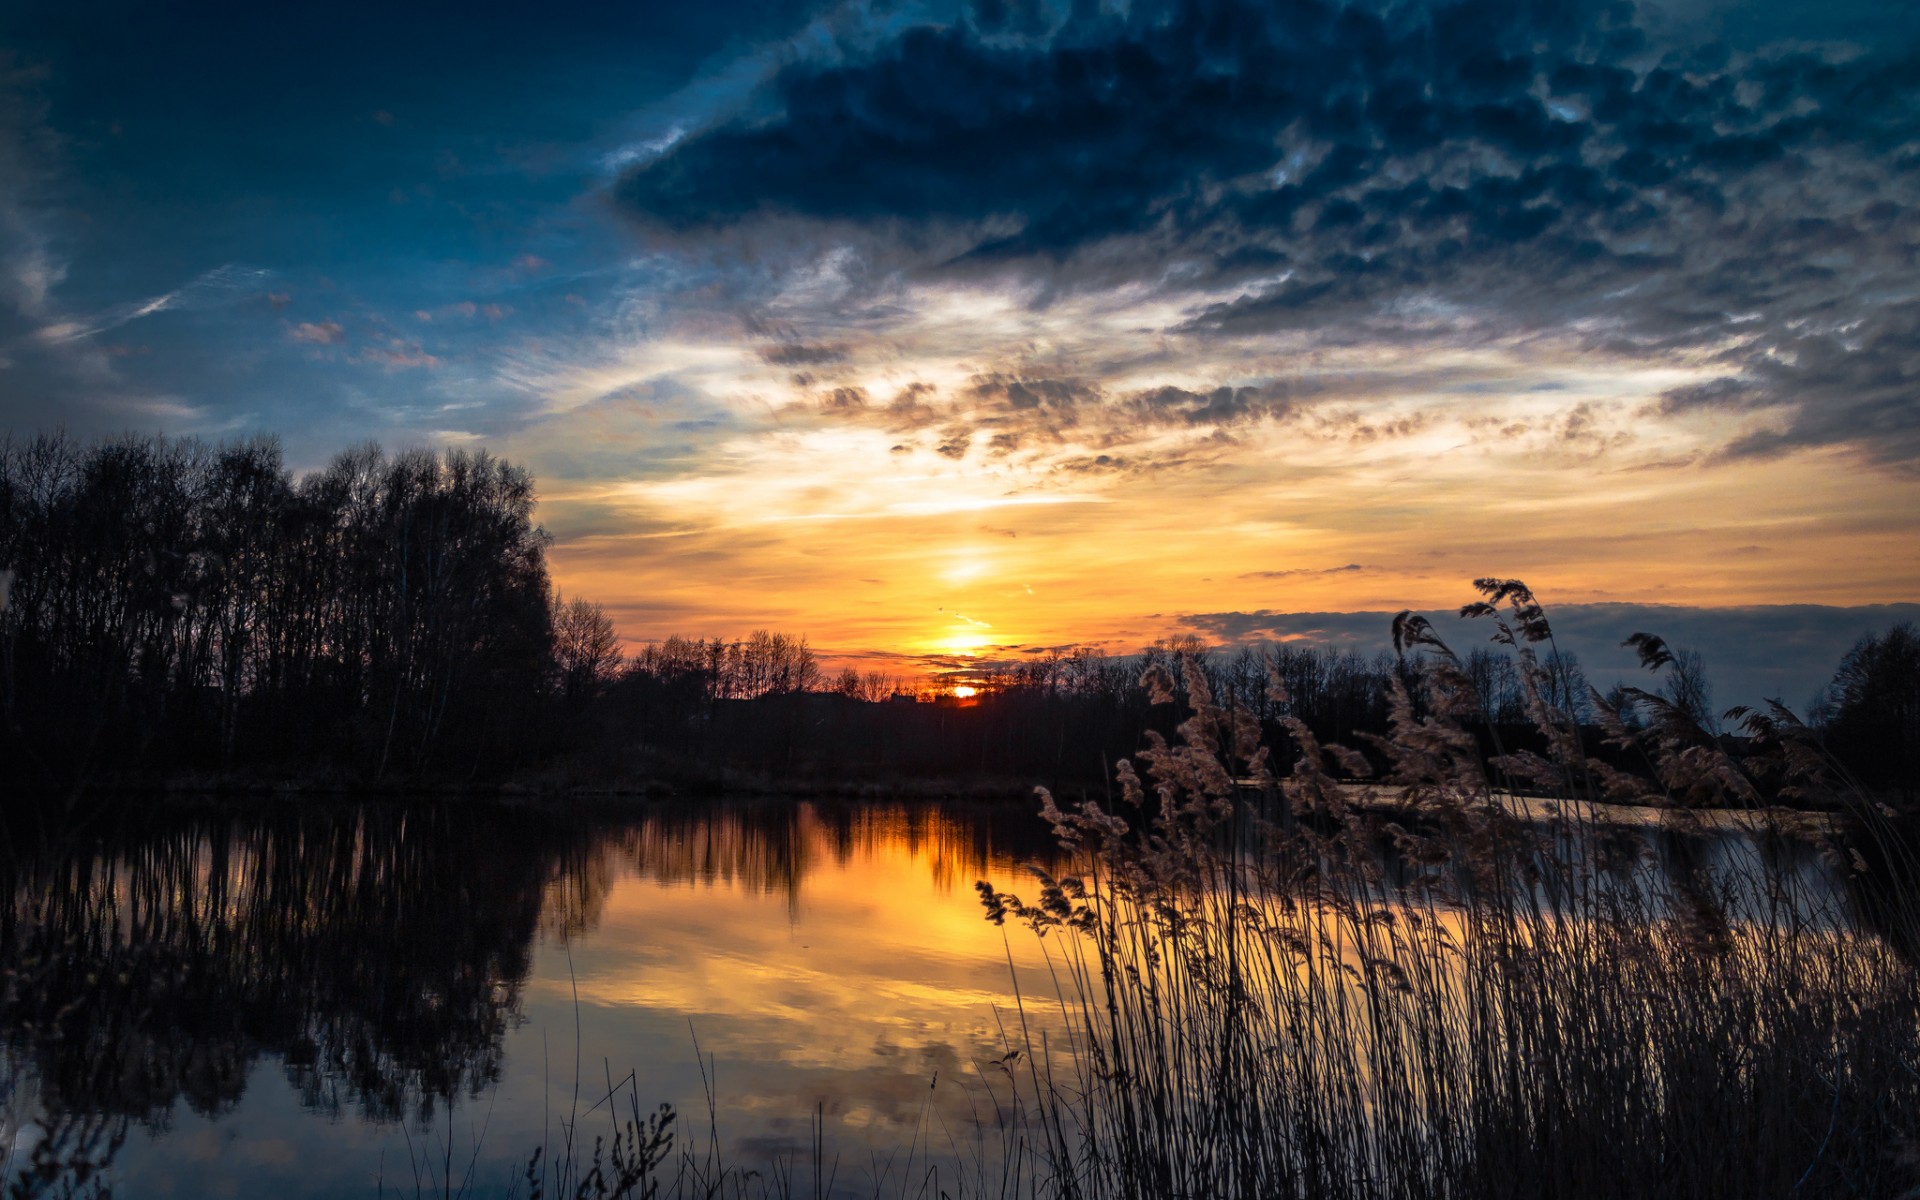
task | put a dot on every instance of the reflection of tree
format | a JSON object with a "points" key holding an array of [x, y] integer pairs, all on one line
{"points": [[759, 846], [959, 841], [379, 953], [771, 846], [67, 1159], [578, 884]]}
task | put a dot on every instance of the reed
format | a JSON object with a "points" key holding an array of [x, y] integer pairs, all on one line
{"points": [[1451, 977], [1318, 987]]}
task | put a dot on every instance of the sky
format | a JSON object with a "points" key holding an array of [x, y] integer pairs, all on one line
{"points": [[947, 333]]}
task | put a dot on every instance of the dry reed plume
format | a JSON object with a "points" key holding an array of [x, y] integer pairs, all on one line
{"points": [[1308, 987]]}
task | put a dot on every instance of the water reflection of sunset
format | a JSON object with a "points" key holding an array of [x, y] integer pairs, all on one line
{"points": [[224, 996], [821, 956]]}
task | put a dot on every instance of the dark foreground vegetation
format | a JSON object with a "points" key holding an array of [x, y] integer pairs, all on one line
{"points": [[1282, 968], [1275, 992], [175, 610]]}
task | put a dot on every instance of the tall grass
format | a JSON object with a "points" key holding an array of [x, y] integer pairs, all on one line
{"points": [[1314, 997], [1455, 977]]}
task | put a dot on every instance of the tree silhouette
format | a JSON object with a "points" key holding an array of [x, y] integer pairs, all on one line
{"points": [[586, 648], [1873, 708], [177, 604]]}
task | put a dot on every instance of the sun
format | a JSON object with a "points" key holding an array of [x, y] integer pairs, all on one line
{"points": [[966, 693]]}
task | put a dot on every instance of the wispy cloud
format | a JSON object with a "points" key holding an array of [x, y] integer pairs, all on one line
{"points": [[320, 333], [216, 286], [1298, 572], [30, 268]]}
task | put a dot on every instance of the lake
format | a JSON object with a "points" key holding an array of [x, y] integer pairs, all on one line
{"points": [[343, 1000], [311, 1004]]}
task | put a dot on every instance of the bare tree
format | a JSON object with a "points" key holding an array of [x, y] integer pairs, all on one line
{"points": [[586, 647], [1689, 689]]}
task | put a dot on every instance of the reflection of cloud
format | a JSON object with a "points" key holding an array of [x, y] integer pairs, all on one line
{"points": [[833, 957]]}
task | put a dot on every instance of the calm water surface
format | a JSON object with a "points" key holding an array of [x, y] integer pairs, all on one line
{"points": [[335, 1003], [327, 1003]]}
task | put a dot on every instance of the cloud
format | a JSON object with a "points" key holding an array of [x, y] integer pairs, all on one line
{"points": [[1349, 630], [1449, 174], [321, 333], [1297, 572], [30, 267], [789, 355], [1021, 394], [219, 285], [398, 355], [1214, 406], [844, 399], [59, 370], [1753, 653]]}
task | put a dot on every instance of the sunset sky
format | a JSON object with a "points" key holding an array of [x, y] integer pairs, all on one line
{"points": [[950, 332]]}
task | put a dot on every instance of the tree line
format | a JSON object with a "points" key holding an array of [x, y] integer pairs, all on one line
{"points": [[1064, 717], [169, 604]]}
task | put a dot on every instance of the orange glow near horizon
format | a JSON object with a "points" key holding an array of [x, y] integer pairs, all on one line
{"points": [[881, 591], [946, 527]]}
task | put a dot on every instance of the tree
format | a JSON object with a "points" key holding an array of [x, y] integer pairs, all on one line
{"points": [[1689, 689], [1496, 680], [586, 647], [176, 603], [1874, 700], [1565, 685]]}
